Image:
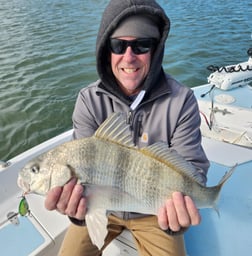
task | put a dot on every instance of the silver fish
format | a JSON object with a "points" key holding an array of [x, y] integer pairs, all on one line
{"points": [[117, 175]]}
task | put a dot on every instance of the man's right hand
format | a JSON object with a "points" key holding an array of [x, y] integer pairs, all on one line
{"points": [[68, 200]]}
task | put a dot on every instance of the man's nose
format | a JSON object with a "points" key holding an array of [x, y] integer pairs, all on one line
{"points": [[129, 54]]}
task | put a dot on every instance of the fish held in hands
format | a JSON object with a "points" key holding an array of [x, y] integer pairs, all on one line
{"points": [[117, 175]]}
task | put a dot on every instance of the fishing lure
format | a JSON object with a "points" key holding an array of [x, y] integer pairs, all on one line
{"points": [[23, 208]]}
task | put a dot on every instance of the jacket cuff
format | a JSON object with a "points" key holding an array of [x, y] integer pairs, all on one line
{"points": [[175, 233], [77, 222]]}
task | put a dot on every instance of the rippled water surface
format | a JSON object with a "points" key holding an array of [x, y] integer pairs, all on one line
{"points": [[47, 54]]}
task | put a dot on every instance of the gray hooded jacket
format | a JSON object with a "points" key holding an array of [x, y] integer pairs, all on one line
{"points": [[168, 111]]}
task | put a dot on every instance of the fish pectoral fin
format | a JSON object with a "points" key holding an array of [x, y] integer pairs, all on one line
{"points": [[97, 221]]}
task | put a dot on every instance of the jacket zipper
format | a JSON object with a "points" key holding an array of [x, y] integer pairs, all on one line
{"points": [[135, 125]]}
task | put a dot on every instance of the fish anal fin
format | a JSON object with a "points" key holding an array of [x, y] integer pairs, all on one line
{"points": [[97, 221]]}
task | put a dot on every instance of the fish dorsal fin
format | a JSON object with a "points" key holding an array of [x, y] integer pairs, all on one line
{"points": [[116, 129], [172, 159]]}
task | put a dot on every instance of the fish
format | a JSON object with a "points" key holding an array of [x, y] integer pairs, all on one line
{"points": [[116, 174]]}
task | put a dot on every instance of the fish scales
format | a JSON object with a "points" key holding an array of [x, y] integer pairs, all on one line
{"points": [[122, 168], [116, 174], [108, 166]]}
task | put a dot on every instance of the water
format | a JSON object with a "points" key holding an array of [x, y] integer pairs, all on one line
{"points": [[47, 54]]}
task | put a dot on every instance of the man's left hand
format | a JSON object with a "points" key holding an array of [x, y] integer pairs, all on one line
{"points": [[178, 212]]}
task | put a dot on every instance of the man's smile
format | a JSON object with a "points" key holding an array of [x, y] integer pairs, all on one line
{"points": [[129, 70]]}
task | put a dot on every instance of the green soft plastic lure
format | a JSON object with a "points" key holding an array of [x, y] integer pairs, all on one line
{"points": [[23, 208]]}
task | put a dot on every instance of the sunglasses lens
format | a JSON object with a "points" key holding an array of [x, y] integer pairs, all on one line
{"points": [[139, 46], [118, 46], [142, 46]]}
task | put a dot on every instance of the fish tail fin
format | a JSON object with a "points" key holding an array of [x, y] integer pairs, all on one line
{"points": [[226, 176], [219, 186], [216, 210]]}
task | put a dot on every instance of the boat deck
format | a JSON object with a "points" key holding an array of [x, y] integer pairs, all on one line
{"points": [[229, 232], [26, 236], [242, 96], [226, 115], [225, 235]]}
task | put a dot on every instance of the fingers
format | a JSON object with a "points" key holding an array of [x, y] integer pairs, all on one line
{"points": [[81, 210], [178, 212], [162, 218], [67, 192], [67, 200], [52, 198], [75, 207], [180, 209], [193, 211]]}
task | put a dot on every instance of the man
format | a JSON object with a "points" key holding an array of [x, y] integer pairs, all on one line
{"points": [[129, 53]]}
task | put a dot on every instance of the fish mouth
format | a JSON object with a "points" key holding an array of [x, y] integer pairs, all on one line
{"points": [[23, 185]]}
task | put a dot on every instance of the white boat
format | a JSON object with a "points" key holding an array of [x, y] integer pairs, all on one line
{"points": [[227, 130]]}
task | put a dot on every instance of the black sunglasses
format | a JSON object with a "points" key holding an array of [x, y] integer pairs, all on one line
{"points": [[138, 46]]}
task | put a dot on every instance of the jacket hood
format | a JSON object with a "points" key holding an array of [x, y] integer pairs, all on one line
{"points": [[114, 13]]}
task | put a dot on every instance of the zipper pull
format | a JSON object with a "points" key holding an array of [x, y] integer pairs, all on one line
{"points": [[129, 118], [137, 129]]}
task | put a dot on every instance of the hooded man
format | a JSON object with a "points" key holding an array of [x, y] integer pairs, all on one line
{"points": [[129, 53]]}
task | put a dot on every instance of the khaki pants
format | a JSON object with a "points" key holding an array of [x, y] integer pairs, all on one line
{"points": [[149, 238]]}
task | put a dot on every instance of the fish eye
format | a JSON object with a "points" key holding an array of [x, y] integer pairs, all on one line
{"points": [[35, 169]]}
